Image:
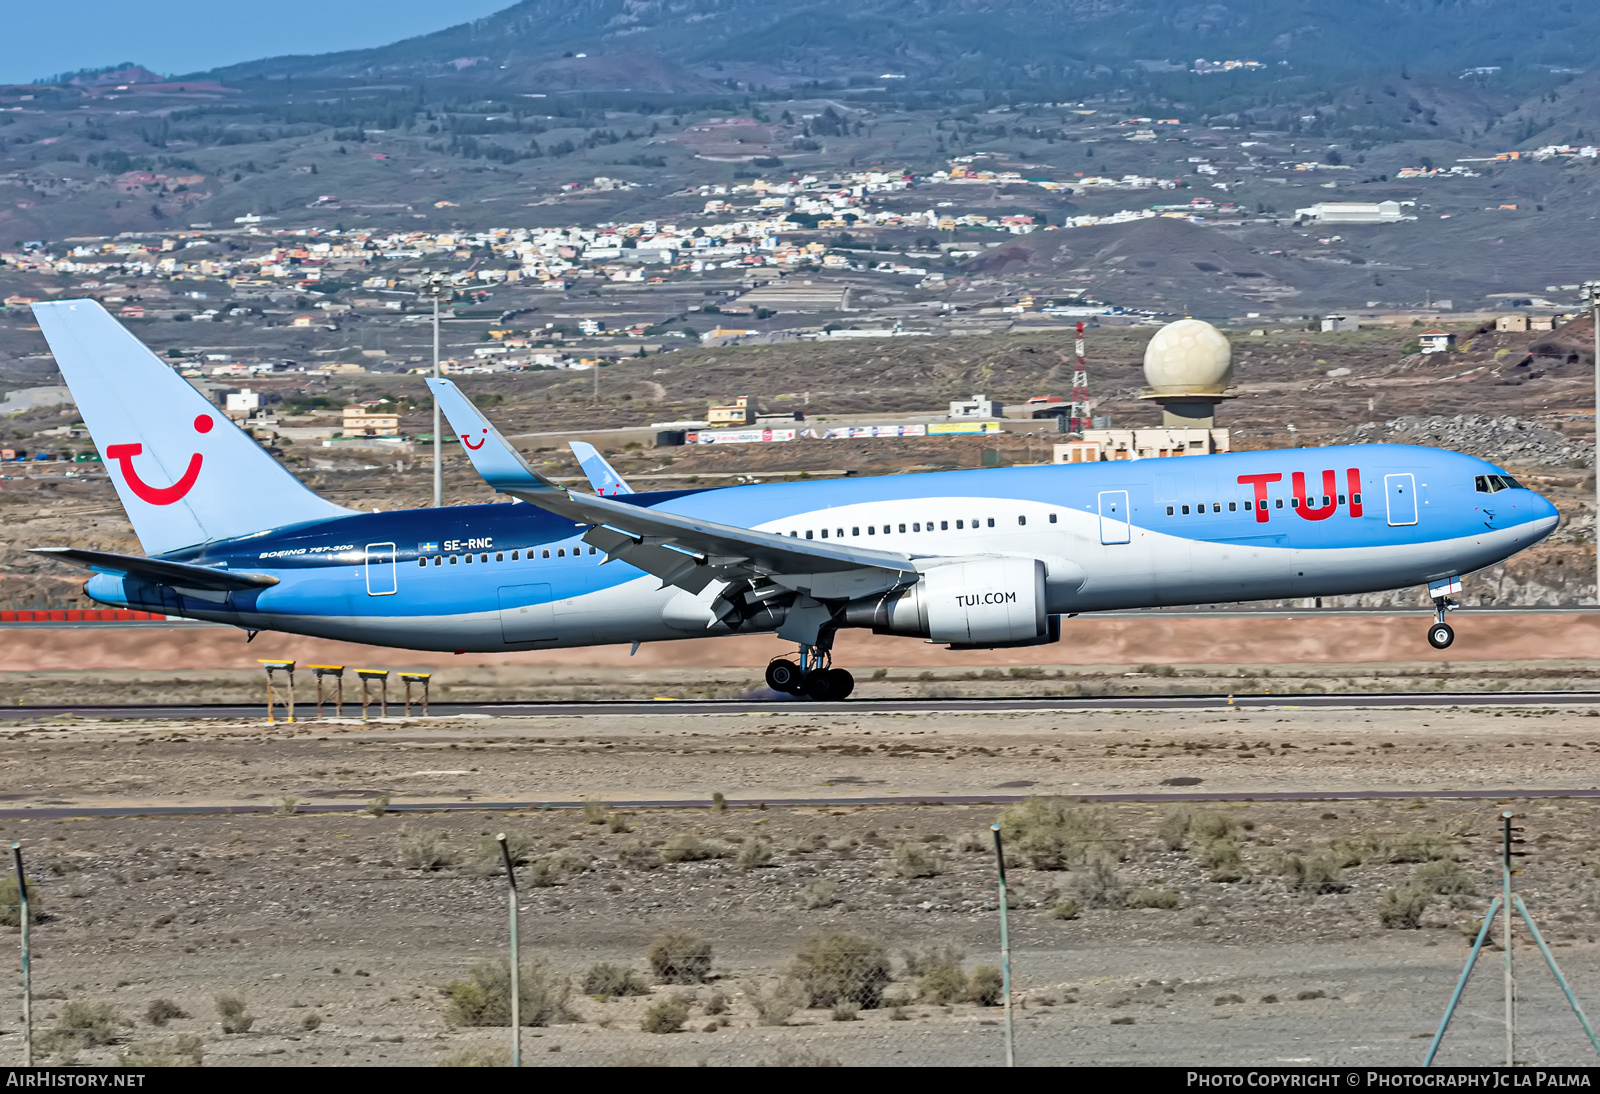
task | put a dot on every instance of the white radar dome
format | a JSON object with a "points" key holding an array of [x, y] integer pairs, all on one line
{"points": [[1189, 357]]}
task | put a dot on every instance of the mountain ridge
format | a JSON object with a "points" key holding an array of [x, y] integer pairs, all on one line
{"points": [[968, 41]]}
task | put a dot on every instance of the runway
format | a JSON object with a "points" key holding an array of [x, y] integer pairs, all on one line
{"points": [[775, 704], [1493, 794]]}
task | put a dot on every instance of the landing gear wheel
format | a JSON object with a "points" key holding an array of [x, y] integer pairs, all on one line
{"points": [[846, 682], [784, 676], [1440, 635], [829, 685]]}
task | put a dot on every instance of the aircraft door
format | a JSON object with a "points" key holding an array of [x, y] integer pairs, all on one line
{"points": [[381, 578], [1114, 526], [1400, 491], [527, 614]]}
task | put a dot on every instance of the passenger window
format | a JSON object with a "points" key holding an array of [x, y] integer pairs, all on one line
{"points": [[1185, 510], [824, 533], [959, 524], [916, 527], [468, 558], [1341, 499], [991, 522], [483, 558], [1278, 503], [422, 561], [793, 534], [855, 531], [591, 550], [944, 526], [808, 533], [1355, 499], [1233, 507], [1216, 507], [902, 527], [452, 560], [1294, 503], [499, 556], [1169, 510], [839, 534], [1021, 519], [438, 560], [1246, 507], [1052, 518], [546, 552], [515, 555]]}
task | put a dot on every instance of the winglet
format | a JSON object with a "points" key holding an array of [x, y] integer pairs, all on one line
{"points": [[602, 476], [492, 456]]}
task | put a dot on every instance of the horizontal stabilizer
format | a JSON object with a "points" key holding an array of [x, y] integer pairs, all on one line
{"points": [[156, 572]]}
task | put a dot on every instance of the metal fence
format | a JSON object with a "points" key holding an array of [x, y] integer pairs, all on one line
{"points": [[216, 950]]}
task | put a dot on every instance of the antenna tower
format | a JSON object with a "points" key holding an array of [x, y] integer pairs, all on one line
{"points": [[1079, 419]]}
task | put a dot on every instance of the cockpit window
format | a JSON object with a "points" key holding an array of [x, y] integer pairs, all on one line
{"points": [[1492, 484]]}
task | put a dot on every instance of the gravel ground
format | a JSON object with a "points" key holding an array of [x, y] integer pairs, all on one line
{"points": [[335, 916]]}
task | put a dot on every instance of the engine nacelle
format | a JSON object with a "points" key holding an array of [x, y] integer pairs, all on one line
{"points": [[988, 602]]}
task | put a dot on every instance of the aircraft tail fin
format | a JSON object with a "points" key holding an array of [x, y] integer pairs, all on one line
{"points": [[602, 476], [185, 474]]}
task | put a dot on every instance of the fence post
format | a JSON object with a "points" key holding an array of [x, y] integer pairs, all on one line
{"points": [[1505, 900], [27, 962], [516, 956], [1005, 946]]}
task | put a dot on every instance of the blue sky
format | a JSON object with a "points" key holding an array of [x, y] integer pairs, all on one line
{"points": [[174, 36]]}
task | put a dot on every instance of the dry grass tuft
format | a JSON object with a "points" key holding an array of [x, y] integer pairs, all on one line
{"points": [[484, 997], [915, 860], [665, 1016], [162, 1011], [606, 979], [1402, 907], [235, 1018], [424, 851], [1055, 834], [678, 957], [184, 1050], [839, 966]]}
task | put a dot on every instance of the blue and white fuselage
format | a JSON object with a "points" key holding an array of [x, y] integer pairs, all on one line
{"points": [[982, 558], [1112, 535]]}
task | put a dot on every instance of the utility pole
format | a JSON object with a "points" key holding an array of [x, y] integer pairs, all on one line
{"points": [[1591, 295], [435, 288], [1078, 412]]}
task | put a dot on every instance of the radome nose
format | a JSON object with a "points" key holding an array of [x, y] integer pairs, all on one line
{"points": [[1545, 517]]}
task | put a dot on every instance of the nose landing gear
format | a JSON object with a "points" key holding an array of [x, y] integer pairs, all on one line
{"points": [[1441, 634], [813, 677]]}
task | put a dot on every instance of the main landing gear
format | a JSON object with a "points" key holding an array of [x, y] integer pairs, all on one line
{"points": [[813, 677]]}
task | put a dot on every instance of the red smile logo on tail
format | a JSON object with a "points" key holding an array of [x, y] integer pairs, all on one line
{"points": [[480, 444], [159, 495]]}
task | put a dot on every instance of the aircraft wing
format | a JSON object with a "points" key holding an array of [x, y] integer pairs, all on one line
{"points": [[602, 476], [156, 571], [688, 552]]}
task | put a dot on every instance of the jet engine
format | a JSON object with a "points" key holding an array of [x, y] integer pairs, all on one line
{"points": [[979, 603]]}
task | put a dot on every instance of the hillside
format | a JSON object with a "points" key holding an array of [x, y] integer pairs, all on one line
{"points": [[992, 42]]}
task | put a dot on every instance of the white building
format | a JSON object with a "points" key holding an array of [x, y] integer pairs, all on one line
{"points": [[979, 406], [1352, 212], [1142, 444]]}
